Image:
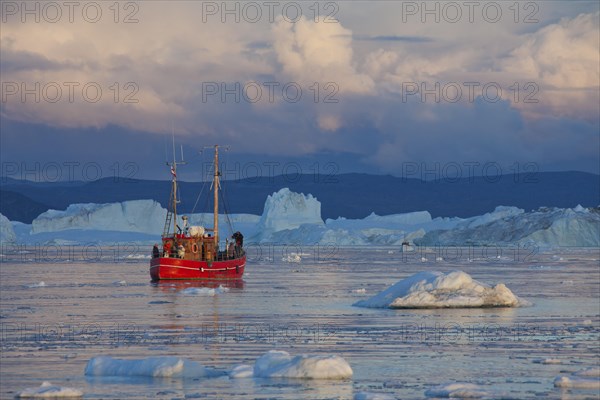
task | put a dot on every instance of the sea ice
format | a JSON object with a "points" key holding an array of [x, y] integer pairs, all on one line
{"points": [[373, 396], [203, 291], [587, 378], [458, 390], [172, 367], [292, 258], [48, 390], [35, 285], [242, 371], [442, 290], [280, 364]]}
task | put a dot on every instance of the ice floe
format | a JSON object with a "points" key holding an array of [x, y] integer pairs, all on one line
{"points": [[204, 291], [588, 378], [281, 364], [433, 289], [48, 390], [459, 390], [163, 367], [373, 396], [35, 285]]}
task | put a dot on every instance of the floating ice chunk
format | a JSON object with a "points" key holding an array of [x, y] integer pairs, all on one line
{"points": [[292, 258], [590, 371], [442, 290], [203, 291], [242, 371], [35, 285], [48, 390], [587, 378], [576, 382], [172, 367], [360, 291], [137, 257], [373, 396], [458, 390], [120, 283], [546, 361], [280, 364]]}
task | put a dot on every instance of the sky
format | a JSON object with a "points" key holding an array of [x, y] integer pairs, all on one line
{"points": [[99, 89]]}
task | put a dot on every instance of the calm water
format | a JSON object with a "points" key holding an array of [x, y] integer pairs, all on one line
{"points": [[107, 306]]}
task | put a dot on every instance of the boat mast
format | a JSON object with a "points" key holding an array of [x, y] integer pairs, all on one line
{"points": [[216, 192], [174, 173]]}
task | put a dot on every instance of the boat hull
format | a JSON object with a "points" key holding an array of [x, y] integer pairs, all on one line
{"points": [[162, 268]]}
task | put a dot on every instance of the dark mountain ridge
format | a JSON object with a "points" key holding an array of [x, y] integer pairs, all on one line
{"points": [[349, 195]]}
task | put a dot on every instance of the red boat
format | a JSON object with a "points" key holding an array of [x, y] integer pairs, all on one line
{"points": [[194, 252]]}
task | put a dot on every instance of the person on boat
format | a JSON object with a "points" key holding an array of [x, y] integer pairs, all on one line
{"points": [[167, 249], [239, 243], [180, 251], [230, 250], [155, 252], [186, 225]]}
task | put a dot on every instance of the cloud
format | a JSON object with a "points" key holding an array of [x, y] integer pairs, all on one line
{"points": [[319, 52], [329, 123], [563, 59], [170, 55]]}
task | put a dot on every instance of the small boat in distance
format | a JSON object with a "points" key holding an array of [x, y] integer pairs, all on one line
{"points": [[193, 252]]}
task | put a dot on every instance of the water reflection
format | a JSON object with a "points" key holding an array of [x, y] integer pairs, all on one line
{"points": [[177, 286]]}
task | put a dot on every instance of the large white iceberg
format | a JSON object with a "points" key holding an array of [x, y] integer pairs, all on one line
{"points": [[146, 216], [547, 227], [433, 289], [7, 233], [286, 210], [157, 367], [295, 218], [280, 364]]}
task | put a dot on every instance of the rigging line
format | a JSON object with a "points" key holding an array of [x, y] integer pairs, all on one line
{"points": [[226, 209], [198, 198], [200, 154]]}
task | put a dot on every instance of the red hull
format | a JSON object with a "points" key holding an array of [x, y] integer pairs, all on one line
{"points": [[176, 268]]}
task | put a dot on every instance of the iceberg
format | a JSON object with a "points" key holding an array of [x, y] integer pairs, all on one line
{"points": [[48, 390], [145, 216], [280, 364], [7, 233], [433, 289], [156, 367], [290, 217], [546, 227], [286, 210]]}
